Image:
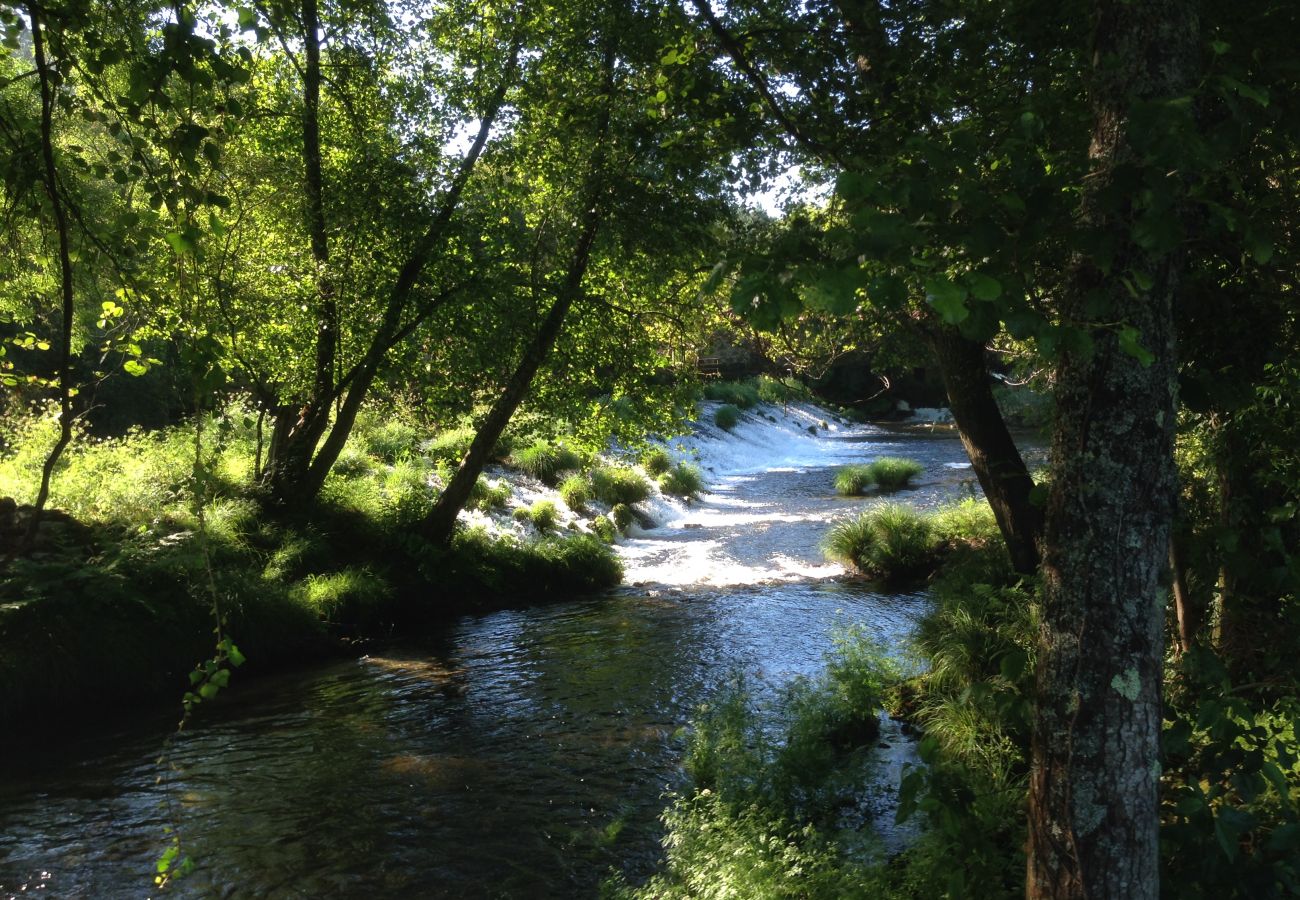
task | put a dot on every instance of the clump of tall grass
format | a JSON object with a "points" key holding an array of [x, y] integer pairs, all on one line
{"points": [[352, 595], [450, 446], [850, 481], [892, 472], [486, 496], [546, 462], [781, 390], [726, 417], [683, 480], [622, 517], [603, 528], [542, 515], [891, 542], [575, 492], [656, 461], [477, 563], [614, 485], [736, 393]]}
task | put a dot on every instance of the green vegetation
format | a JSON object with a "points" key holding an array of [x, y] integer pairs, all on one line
{"points": [[575, 492], [683, 480], [487, 496], [622, 517], [741, 394], [763, 814], [114, 606], [850, 481], [603, 528], [656, 461], [895, 543], [781, 390], [616, 485], [891, 472], [547, 462], [726, 417]]}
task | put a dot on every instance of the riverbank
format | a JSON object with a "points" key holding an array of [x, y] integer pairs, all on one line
{"points": [[120, 600]]}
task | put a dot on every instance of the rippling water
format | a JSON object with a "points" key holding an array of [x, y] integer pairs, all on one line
{"points": [[523, 753]]}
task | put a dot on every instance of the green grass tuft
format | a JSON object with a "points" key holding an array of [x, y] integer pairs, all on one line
{"points": [[614, 485], [891, 542], [546, 462], [622, 517], [892, 473], [656, 461], [575, 492], [736, 393], [726, 417], [486, 496], [683, 480], [850, 481]]}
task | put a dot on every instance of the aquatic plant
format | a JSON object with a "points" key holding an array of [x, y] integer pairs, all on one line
{"points": [[892, 542], [892, 472], [656, 461], [851, 481], [575, 492]]}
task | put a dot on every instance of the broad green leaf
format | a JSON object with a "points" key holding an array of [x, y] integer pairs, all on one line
{"points": [[948, 298], [1129, 342], [982, 287]]}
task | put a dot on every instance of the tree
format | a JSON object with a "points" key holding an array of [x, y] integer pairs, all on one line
{"points": [[1093, 820]]}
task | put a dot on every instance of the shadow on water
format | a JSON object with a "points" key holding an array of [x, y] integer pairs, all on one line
{"points": [[522, 753]]}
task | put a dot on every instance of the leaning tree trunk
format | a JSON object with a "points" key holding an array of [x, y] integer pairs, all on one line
{"points": [[1093, 810], [993, 453]]}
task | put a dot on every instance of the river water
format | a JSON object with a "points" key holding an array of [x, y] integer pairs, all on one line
{"points": [[525, 753]]}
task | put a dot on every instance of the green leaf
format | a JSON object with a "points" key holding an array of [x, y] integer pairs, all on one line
{"points": [[180, 243], [948, 298], [135, 367], [887, 292], [209, 690], [237, 658], [1129, 343], [982, 287], [1250, 92]]}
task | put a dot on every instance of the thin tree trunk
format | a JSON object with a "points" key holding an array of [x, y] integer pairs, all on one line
{"points": [[1189, 619], [65, 275], [440, 523], [1093, 810], [993, 453]]}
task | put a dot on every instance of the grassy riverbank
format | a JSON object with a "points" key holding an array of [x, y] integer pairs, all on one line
{"points": [[121, 597]]}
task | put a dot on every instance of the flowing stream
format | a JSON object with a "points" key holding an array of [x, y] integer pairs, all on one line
{"points": [[525, 753]]}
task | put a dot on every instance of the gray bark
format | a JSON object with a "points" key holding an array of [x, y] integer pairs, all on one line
{"points": [[1093, 816]]}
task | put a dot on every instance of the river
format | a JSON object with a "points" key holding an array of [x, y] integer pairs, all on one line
{"points": [[524, 753]]}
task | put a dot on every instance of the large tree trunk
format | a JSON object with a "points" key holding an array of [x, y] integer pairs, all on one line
{"points": [[1093, 811], [992, 451]]}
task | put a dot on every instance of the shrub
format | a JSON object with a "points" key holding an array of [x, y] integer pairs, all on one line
{"points": [[683, 480], [615, 485], [851, 481], [656, 461], [726, 417], [735, 393], [891, 542], [545, 461], [892, 473], [575, 493], [486, 496]]}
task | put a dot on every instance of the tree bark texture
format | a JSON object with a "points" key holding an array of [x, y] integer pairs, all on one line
{"points": [[992, 451], [1093, 813]]}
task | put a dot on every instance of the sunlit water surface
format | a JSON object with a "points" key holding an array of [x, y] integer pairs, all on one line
{"points": [[524, 753]]}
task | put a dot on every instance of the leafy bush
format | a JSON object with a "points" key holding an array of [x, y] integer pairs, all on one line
{"points": [[545, 461], [726, 417], [615, 485], [575, 492], [735, 393], [656, 461], [891, 542], [683, 480], [892, 473], [851, 481]]}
